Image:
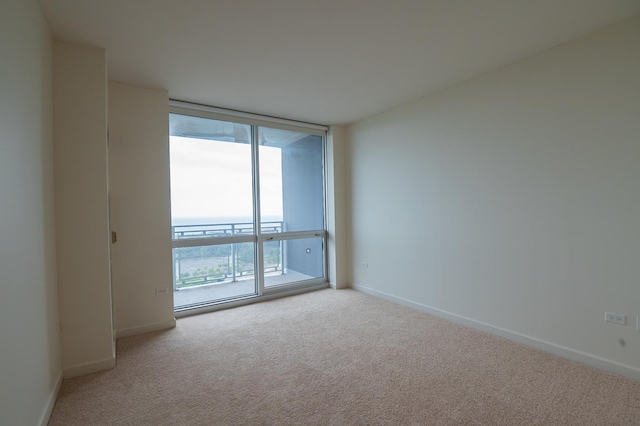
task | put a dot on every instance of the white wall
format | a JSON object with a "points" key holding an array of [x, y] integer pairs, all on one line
{"points": [[513, 199], [140, 209], [29, 341], [82, 226], [336, 208]]}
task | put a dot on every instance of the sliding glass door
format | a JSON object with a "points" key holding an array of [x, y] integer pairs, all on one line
{"points": [[247, 205], [296, 177]]}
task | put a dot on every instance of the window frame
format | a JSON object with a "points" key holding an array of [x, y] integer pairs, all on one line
{"points": [[258, 238]]}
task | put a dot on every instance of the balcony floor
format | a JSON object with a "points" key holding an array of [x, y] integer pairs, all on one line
{"points": [[243, 287]]}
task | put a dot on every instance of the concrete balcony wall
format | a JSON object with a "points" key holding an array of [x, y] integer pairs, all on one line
{"points": [[303, 209]]}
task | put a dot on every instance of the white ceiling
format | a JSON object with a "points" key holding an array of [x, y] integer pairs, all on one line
{"points": [[322, 61]]}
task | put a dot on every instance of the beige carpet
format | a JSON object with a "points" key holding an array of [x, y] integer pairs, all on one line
{"points": [[339, 358]]}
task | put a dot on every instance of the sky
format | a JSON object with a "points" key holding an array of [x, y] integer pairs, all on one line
{"points": [[213, 179]]}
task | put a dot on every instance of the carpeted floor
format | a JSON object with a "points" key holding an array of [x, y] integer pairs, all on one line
{"points": [[339, 358]]}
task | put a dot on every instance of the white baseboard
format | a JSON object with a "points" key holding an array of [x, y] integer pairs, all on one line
{"points": [[562, 351], [336, 286], [51, 401], [133, 331], [89, 367]]}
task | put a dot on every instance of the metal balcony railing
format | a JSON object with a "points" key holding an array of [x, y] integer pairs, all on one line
{"points": [[222, 263]]}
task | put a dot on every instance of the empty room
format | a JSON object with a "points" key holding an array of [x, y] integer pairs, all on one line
{"points": [[325, 213]]}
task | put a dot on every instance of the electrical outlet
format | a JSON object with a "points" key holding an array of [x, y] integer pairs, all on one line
{"points": [[615, 318], [365, 264], [162, 291]]}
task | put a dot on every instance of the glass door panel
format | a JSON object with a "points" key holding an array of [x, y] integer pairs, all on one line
{"points": [[291, 179], [212, 202], [211, 171]]}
